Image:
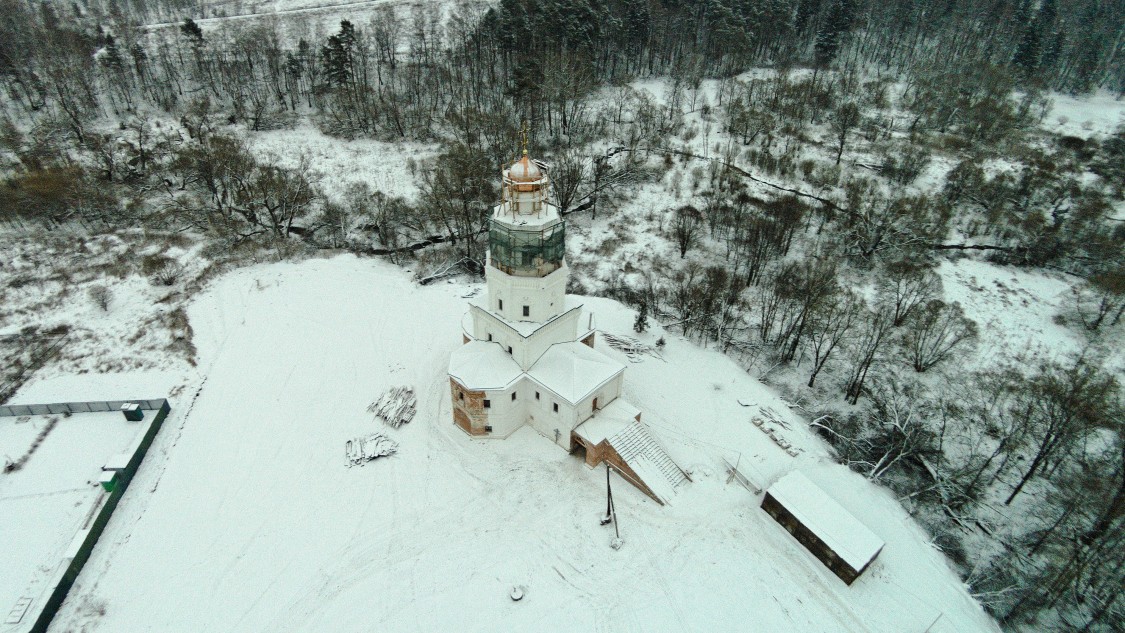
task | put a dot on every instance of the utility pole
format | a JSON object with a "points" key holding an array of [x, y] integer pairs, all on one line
{"points": [[608, 498], [611, 512]]}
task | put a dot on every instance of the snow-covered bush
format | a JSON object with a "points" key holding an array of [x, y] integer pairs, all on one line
{"points": [[101, 296]]}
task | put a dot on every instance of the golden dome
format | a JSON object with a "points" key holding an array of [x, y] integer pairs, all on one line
{"points": [[524, 170]]}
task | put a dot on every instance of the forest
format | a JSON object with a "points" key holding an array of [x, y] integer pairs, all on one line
{"points": [[814, 161]]}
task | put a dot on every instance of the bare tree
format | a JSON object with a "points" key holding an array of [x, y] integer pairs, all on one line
{"points": [[272, 198], [935, 330], [992, 431], [1108, 293], [804, 287], [904, 284], [101, 296], [230, 193], [830, 323], [872, 333], [874, 223], [684, 294], [1064, 403], [843, 121], [1077, 545], [899, 428], [686, 222], [456, 193], [568, 172]]}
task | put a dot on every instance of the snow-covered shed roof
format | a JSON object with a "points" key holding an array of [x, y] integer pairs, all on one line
{"points": [[836, 527], [481, 365], [573, 370], [608, 421]]}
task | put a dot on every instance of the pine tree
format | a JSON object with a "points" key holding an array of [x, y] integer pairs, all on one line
{"points": [[192, 31], [836, 24], [112, 59], [1038, 35], [338, 54], [641, 324]]}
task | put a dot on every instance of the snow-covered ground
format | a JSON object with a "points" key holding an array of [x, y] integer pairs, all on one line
{"points": [[1089, 116], [245, 516], [1013, 309], [338, 163]]}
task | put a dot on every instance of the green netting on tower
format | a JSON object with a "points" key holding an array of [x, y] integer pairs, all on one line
{"points": [[527, 252]]}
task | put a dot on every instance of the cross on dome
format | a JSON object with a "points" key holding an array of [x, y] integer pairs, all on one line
{"points": [[524, 170]]}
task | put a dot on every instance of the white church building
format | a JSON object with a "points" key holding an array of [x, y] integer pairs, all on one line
{"points": [[528, 356]]}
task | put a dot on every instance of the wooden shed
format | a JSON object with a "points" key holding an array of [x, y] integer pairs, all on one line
{"points": [[822, 525]]}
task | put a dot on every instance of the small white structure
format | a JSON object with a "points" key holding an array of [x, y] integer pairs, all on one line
{"points": [[822, 525], [529, 354]]}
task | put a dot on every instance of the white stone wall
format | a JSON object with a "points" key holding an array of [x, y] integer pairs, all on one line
{"points": [[504, 414], [526, 351], [606, 394], [543, 418], [545, 297], [528, 202]]}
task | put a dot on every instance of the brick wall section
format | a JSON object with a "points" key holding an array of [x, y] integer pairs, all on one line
{"points": [[468, 412], [603, 452], [589, 340]]}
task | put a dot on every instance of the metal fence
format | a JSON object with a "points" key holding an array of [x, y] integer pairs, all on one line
{"points": [[12, 410]]}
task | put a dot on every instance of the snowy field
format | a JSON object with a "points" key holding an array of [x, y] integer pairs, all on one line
{"points": [[1016, 311], [1012, 307], [245, 516], [1094, 116], [339, 163]]}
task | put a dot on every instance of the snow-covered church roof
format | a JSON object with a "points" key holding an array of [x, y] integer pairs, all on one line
{"points": [[573, 370], [481, 365]]}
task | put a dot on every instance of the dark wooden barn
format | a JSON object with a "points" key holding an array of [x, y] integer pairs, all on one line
{"points": [[822, 525]]}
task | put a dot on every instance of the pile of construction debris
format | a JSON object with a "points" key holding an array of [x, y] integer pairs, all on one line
{"points": [[630, 346], [364, 449], [395, 407], [770, 423]]}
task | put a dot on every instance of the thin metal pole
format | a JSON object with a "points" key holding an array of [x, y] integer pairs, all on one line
{"points": [[612, 508], [609, 493]]}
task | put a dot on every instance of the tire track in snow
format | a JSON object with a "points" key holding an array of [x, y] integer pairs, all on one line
{"points": [[376, 550]]}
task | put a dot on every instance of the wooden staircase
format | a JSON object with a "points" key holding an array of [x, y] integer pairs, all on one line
{"points": [[637, 447]]}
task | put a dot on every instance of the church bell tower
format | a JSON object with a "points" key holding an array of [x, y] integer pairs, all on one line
{"points": [[529, 354], [526, 270]]}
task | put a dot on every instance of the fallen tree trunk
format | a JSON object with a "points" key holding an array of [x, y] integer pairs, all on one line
{"points": [[419, 245], [973, 247]]}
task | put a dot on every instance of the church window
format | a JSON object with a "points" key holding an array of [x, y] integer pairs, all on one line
{"points": [[487, 404], [527, 310], [513, 395], [490, 337], [536, 395], [461, 395], [554, 404], [509, 349], [501, 303]]}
